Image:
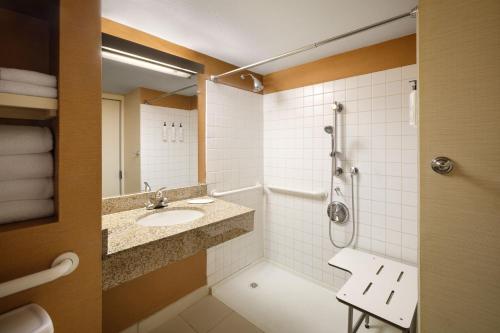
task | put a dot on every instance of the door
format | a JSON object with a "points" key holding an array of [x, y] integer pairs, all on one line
{"points": [[73, 301], [459, 64], [111, 147]]}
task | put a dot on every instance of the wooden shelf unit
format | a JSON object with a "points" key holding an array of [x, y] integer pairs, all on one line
{"points": [[27, 107], [33, 44]]}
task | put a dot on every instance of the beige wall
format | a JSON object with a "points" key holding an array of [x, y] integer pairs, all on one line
{"points": [[459, 61]]}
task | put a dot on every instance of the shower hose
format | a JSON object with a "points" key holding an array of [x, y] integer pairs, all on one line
{"points": [[331, 211]]}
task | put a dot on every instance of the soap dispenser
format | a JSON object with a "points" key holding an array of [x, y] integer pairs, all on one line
{"points": [[172, 133], [164, 132], [180, 133]]}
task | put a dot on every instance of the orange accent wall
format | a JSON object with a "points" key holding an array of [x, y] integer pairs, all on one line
{"points": [[132, 301], [393, 53], [173, 101]]}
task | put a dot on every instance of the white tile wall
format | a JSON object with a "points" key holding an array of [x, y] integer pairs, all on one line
{"points": [[374, 135], [168, 163], [234, 160]]}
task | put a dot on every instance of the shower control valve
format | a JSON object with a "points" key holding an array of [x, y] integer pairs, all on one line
{"points": [[338, 212]]}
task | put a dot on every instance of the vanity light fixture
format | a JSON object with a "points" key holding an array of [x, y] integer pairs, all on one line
{"points": [[143, 62]]}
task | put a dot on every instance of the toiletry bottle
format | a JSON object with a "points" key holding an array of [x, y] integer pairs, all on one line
{"points": [[180, 133], [164, 132], [172, 132]]}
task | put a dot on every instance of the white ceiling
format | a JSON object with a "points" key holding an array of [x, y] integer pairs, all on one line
{"points": [[242, 32]]}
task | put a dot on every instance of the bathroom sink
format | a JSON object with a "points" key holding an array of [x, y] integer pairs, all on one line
{"points": [[170, 217]]}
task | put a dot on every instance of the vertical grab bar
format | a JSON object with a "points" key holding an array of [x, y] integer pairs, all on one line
{"points": [[336, 107]]}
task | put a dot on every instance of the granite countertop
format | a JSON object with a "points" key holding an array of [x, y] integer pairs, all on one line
{"points": [[124, 232], [131, 250]]}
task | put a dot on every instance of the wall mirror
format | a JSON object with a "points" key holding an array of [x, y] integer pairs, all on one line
{"points": [[149, 118]]}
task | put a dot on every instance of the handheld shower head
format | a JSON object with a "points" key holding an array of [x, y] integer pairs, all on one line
{"points": [[329, 129], [257, 85]]}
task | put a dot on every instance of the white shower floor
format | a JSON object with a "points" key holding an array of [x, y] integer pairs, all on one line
{"points": [[284, 302]]}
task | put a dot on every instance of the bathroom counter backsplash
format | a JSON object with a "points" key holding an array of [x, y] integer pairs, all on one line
{"points": [[126, 202], [131, 250]]}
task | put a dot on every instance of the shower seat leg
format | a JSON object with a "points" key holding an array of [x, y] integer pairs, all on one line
{"points": [[367, 321], [413, 327], [351, 327], [349, 320]]}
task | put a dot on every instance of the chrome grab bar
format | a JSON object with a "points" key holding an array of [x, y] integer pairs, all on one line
{"points": [[63, 265], [216, 194]]}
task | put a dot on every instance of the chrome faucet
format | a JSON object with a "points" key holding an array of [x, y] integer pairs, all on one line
{"points": [[157, 200]]}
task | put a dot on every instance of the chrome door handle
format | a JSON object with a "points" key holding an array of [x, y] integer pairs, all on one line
{"points": [[442, 165]]}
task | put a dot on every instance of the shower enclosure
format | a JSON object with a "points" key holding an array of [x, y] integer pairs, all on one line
{"points": [[282, 145]]}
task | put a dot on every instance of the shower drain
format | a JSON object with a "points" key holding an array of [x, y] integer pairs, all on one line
{"points": [[253, 285]]}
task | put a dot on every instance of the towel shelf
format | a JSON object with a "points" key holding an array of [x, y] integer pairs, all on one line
{"points": [[27, 107]]}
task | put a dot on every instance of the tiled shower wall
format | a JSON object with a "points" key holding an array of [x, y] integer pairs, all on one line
{"points": [[375, 136], [234, 160], [164, 162]]}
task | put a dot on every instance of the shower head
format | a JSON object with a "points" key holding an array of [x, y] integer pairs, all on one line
{"points": [[329, 129], [257, 85]]}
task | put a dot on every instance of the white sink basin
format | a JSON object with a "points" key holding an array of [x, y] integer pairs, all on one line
{"points": [[170, 217]]}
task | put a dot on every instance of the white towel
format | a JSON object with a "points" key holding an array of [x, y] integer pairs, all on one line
{"points": [[17, 140], [26, 189], [26, 166], [22, 210], [22, 75], [22, 88]]}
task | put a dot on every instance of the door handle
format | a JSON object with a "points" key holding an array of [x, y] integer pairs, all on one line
{"points": [[442, 165]]}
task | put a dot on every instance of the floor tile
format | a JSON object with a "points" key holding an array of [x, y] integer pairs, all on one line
{"points": [[235, 323], [174, 325], [206, 314]]}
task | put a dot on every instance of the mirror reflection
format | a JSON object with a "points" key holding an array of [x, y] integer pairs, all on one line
{"points": [[149, 120]]}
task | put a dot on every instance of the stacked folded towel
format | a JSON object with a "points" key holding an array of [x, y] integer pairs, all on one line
{"points": [[26, 173], [24, 82]]}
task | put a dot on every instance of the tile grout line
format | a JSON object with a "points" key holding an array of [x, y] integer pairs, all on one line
{"points": [[187, 323], [222, 319]]}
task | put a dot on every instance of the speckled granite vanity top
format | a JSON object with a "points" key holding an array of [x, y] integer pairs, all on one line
{"points": [[131, 250]]}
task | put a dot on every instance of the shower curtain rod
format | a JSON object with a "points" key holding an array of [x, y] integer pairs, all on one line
{"points": [[412, 13], [149, 101]]}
